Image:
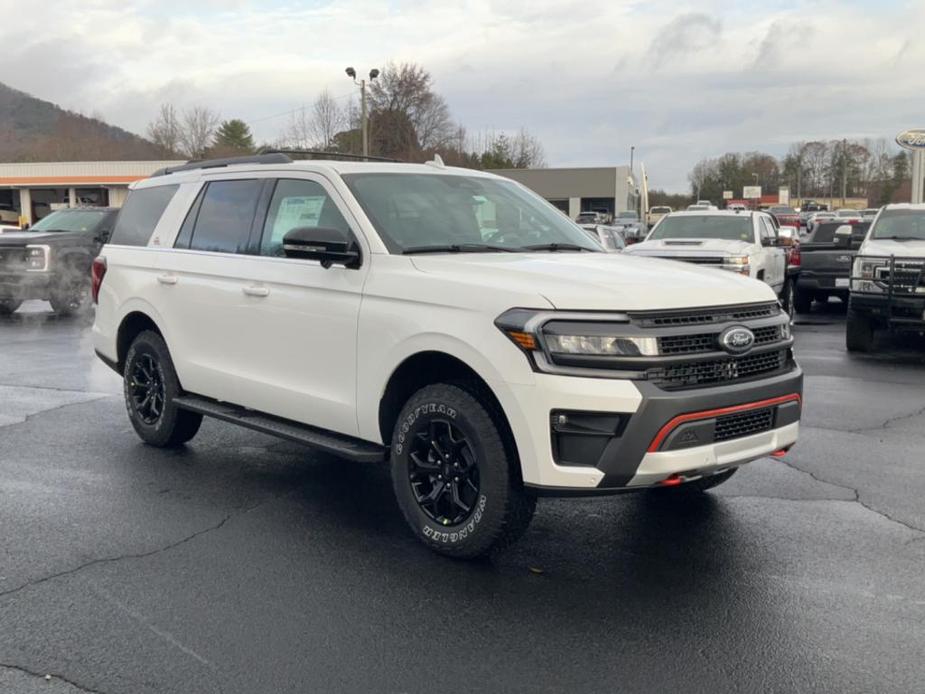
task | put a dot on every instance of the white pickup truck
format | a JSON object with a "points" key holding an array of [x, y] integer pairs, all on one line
{"points": [[745, 243]]}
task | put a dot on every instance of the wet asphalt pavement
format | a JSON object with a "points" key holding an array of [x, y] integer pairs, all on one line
{"points": [[242, 564]]}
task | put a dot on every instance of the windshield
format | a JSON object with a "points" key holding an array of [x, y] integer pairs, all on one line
{"points": [[660, 210], [783, 210], [714, 226], [627, 215], [415, 211], [70, 220], [903, 224]]}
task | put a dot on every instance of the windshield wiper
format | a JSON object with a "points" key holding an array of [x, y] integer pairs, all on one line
{"points": [[459, 248], [553, 247], [899, 238]]}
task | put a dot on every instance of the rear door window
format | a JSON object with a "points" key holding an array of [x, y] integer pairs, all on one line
{"points": [[140, 215], [225, 216]]}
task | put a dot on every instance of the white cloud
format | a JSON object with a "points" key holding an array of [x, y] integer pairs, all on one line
{"points": [[591, 78]]}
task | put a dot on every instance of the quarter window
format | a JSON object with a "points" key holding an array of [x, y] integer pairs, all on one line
{"points": [[226, 215], [140, 215], [297, 204]]}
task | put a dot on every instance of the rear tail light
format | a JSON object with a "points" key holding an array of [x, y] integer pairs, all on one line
{"points": [[795, 256], [97, 273]]}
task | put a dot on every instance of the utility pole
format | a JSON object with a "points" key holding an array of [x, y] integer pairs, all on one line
{"points": [[844, 172], [364, 116]]}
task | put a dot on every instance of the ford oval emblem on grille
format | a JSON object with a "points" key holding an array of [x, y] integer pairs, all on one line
{"points": [[737, 339]]}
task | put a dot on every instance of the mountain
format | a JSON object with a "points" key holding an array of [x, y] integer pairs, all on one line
{"points": [[35, 130]]}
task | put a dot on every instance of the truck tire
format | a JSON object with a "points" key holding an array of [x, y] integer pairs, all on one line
{"points": [[860, 332], [787, 298], [802, 300], [9, 306], [453, 477], [72, 299], [150, 385]]}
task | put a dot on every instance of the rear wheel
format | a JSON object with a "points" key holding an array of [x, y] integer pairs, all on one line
{"points": [[802, 300], [453, 476], [150, 386], [860, 332], [9, 306]]}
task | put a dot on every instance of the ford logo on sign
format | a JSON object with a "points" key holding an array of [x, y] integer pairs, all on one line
{"points": [[737, 340], [912, 139]]}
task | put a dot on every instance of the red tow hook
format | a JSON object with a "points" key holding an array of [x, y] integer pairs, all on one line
{"points": [[780, 453]]}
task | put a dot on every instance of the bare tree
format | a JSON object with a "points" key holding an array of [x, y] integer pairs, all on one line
{"points": [[165, 130], [406, 88], [527, 151], [328, 118], [299, 131], [199, 124]]}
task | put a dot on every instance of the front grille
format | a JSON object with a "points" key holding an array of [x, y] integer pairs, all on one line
{"points": [[12, 258], [905, 278], [707, 316], [735, 426], [709, 342], [717, 371]]}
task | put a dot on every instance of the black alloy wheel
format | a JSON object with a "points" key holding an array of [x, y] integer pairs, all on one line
{"points": [[147, 388], [444, 473]]}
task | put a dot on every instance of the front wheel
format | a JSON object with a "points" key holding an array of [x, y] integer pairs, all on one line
{"points": [[787, 299], [9, 306], [71, 299], [859, 334], [453, 476], [150, 385]]}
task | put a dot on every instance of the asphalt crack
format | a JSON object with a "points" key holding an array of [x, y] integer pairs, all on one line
{"points": [[857, 497], [44, 676], [125, 557], [892, 420]]}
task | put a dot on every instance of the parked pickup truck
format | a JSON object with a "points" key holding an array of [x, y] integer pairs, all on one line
{"points": [[888, 277], [374, 311], [826, 255], [746, 243], [51, 260]]}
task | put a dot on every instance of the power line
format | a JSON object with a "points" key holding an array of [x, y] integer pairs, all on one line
{"points": [[294, 110]]}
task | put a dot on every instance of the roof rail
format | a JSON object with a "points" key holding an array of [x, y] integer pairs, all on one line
{"points": [[262, 158], [320, 154]]}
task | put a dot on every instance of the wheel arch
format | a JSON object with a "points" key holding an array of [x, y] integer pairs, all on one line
{"points": [[433, 366], [132, 325]]}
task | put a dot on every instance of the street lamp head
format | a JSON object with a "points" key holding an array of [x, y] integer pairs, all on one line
{"points": [[373, 74], [351, 73]]}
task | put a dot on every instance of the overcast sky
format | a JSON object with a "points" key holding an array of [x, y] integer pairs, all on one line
{"points": [[680, 81]]}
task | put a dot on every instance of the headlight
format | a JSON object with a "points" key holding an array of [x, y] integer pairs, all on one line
{"points": [[37, 258], [736, 260], [602, 345], [864, 272]]}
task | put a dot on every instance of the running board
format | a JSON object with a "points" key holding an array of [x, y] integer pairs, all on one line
{"points": [[327, 441]]}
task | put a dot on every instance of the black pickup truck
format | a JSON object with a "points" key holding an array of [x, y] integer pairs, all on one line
{"points": [[825, 263], [52, 260]]}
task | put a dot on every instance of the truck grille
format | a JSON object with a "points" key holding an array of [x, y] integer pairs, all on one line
{"points": [[905, 278], [12, 258], [735, 426], [717, 371], [697, 259], [707, 316], [709, 342]]}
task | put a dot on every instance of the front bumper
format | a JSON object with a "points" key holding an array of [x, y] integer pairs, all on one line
{"points": [[897, 311], [25, 285], [662, 433]]}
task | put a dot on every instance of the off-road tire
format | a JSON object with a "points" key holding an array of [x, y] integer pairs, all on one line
{"points": [[787, 298], [9, 306], [501, 509], [802, 300], [860, 332], [174, 426]]}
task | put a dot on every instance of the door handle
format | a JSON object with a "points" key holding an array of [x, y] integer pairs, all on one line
{"points": [[256, 291], [167, 279]]}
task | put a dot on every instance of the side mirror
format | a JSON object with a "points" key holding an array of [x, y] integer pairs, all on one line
{"points": [[768, 241], [325, 244], [102, 236], [843, 236]]}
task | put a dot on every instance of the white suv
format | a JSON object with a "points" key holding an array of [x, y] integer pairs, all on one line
{"points": [[447, 321]]}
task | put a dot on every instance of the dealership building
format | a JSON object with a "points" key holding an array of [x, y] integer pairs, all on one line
{"points": [[609, 189], [32, 190]]}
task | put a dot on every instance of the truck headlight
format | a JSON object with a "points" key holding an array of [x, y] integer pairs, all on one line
{"points": [[37, 258], [603, 345], [864, 272], [737, 263]]}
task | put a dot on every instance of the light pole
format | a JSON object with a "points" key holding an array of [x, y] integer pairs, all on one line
{"points": [[364, 120]]}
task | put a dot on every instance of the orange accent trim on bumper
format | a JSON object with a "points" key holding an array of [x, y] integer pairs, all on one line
{"points": [[707, 414]]}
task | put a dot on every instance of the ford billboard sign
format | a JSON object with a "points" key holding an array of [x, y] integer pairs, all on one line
{"points": [[912, 139]]}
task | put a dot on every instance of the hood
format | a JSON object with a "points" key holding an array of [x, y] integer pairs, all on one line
{"points": [[665, 248], [598, 281], [901, 249], [25, 238]]}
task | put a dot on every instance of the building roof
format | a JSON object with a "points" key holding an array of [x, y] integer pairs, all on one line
{"points": [[78, 173]]}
